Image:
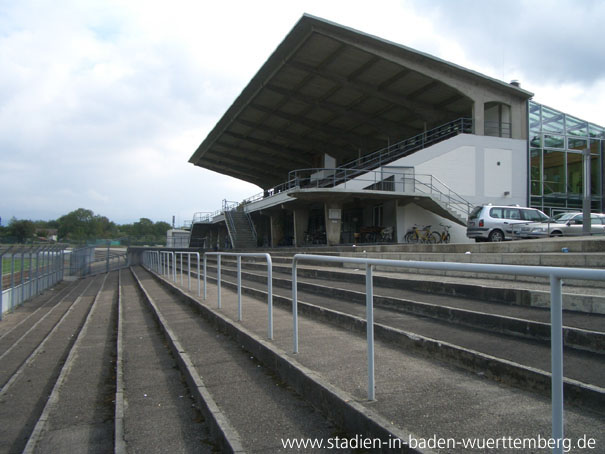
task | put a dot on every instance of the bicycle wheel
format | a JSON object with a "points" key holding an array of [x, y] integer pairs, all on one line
{"points": [[410, 237], [433, 238]]}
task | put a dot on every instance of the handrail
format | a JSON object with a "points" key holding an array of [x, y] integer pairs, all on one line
{"points": [[239, 256], [231, 227], [419, 183], [555, 275], [378, 158]]}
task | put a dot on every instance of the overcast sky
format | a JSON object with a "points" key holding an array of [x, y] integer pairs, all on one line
{"points": [[103, 102]]}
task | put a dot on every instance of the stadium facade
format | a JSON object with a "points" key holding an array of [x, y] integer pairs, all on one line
{"points": [[356, 139]]}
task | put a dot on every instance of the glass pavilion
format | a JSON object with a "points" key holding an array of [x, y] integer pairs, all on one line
{"points": [[556, 143]]}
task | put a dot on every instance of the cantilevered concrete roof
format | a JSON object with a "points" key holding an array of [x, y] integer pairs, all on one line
{"points": [[330, 89]]}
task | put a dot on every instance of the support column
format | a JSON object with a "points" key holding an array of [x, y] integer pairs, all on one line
{"points": [[277, 229], [333, 217], [301, 224], [479, 116]]}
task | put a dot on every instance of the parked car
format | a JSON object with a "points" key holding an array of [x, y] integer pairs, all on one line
{"points": [[495, 222], [567, 224]]}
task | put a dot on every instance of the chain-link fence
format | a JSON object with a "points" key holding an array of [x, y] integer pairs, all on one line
{"points": [[26, 271], [87, 260]]}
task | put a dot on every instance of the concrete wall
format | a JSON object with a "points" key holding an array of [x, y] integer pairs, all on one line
{"points": [[479, 168], [411, 214]]}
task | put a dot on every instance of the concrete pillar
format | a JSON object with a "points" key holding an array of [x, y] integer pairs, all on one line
{"points": [[277, 229], [301, 224], [333, 217], [479, 116]]}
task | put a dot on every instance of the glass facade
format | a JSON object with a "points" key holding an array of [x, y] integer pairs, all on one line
{"points": [[556, 144]]}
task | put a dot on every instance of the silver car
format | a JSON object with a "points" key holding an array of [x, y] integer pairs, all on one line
{"points": [[496, 222], [568, 224]]}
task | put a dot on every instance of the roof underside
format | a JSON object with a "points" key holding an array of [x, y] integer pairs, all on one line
{"points": [[326, 89]]}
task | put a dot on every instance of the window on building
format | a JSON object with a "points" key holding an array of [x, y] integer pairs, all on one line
{"points": [[377, 218]]}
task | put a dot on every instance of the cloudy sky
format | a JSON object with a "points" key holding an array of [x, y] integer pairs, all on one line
{"points": [[102, 102]]}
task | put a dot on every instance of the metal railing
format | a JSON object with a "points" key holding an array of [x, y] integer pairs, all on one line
{"points": [[554, 274], [27, 271], [239, 256], [385, 179], [363, 163], [159, 261]]}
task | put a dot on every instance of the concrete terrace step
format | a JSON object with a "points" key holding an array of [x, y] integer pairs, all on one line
{"points": [[79, 411], [581, 330], [493, 288], [491, 337], [416, 396], [30, 376], [155, 410], [259, 410]]}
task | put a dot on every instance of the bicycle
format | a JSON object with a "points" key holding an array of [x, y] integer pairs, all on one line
{"points": [[423, 235], [444, 236]]}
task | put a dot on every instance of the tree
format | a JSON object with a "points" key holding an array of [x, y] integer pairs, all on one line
{"points": [[76, 225], [21, 229]]}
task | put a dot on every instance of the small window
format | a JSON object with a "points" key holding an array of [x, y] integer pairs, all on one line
{"points": [[512, 213], [496, 213]]}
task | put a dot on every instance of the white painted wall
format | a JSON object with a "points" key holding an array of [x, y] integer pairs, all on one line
{"points": [[411, 214], [481, 169]]}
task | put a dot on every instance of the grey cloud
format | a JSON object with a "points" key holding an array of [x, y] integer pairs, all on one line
{"points": [[555, 41]]}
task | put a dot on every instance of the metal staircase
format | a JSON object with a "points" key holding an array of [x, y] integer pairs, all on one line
{"points": [[241, 229]]}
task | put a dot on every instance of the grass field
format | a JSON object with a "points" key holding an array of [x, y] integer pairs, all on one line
{"points": [[6, 264]]}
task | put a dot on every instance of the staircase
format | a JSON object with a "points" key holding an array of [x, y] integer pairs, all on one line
{"points": [[241, 230]]}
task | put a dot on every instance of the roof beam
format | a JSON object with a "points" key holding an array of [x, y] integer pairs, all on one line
{"points": [[385, 126], [318, 146], [229, 166], [427, 111], [315, 125], [266, 155]]}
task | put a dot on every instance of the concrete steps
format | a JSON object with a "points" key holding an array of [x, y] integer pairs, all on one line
{"points": [[418, 394]]}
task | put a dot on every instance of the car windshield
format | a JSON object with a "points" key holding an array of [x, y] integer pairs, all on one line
{"points": [[566, 217]]}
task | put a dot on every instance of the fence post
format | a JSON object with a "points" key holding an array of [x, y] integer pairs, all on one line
{"points": [[12, 281], [270, 295], [239, 288], [198, 274], [1, 284], [556, 348], [370, 330], [294, 306], [22, 274], [218, 280], [204, 275]]}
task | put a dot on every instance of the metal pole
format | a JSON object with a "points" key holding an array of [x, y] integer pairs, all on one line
{"points": [[38, 271], [270, 295], [22, 274], [204, 275], [1, 284], [586, 225], [107, 258], [181, 267], [370, 330], [556, 348], [30, 279], [218, 280], [198, 275], [174, 267], [12, 281], [189, 271], [239, 288], [294, 306]]}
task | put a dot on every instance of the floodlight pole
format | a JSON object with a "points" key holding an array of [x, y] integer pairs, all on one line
{"points": [[586, 226]]}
